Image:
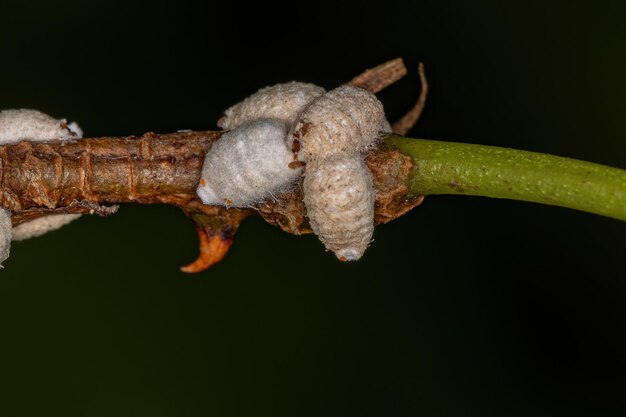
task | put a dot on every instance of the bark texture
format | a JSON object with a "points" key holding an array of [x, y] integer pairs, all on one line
{"points": [[93, 175]]}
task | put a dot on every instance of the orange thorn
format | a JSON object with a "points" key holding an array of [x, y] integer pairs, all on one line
{"points": [[212, 250]]}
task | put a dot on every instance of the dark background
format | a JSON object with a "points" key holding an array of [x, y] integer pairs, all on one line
{"points": [[464, 307]]}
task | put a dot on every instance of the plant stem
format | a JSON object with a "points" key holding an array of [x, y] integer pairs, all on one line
{"points": [[460, 168]]}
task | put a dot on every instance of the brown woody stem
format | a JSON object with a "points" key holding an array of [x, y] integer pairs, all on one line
{"points": [[61, 177], [147, 169], [93, 175]]}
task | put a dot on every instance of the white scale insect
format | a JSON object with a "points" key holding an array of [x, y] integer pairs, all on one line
{"points": [[250, 162], [283, 127]]}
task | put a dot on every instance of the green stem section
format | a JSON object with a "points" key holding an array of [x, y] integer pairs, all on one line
{"points": [[460, 168]]}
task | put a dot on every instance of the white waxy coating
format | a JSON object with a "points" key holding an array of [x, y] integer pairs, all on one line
{"points": [[33, 125], [280, 101], [41, 225], [247, 165], [5, 234], [385, 127], [339, 198], [346, 119]]}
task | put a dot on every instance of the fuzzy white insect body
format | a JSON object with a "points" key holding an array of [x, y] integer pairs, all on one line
{"points": [[281, 101], [346, 119], [385, 127], [339, 197], [41, 225], [247, 165], [33, 125]]}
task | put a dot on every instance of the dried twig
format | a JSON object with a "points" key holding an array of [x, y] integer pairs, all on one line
{"points": [[406, 123], [380, 77]]}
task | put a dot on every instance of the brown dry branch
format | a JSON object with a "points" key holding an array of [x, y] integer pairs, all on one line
{"points": [[402, 126], [93, 175], [378, 78]]}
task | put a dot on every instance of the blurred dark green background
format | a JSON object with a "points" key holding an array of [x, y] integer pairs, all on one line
{"points": [[464, 307]]}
